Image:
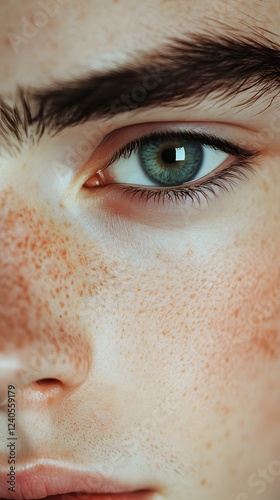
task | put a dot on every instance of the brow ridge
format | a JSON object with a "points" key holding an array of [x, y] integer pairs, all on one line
{"points": [[188, 69]]}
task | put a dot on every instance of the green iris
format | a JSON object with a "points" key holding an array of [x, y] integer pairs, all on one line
{"points": [[171, 162]]}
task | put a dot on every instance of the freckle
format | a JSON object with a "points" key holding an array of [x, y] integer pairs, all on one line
{"points": [[267, 342], [209, 446], [203, 482], [7, 42]]}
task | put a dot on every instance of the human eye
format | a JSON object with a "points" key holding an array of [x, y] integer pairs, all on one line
{"points": [[175, 166]]}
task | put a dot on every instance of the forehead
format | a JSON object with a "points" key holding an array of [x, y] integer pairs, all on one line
{"points": [[53, 39]]}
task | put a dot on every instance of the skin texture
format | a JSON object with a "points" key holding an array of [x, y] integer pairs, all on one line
{"points": [[158, 337]]}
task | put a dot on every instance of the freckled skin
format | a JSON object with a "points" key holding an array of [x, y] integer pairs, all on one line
{"points": [[159, 349]]}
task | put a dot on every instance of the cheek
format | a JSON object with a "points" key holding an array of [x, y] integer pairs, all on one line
{"points": [[214, 318], [209, 334]]}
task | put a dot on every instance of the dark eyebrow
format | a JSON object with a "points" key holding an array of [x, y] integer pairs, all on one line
{"points": [[181, 69]]}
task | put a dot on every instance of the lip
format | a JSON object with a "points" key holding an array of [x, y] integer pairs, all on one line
{"points": [[53, 482], [141, 495]]}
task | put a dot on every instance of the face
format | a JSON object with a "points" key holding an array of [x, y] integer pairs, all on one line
{"points": [[140, 329]]}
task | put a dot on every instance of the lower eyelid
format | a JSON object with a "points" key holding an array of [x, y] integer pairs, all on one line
{"points": [[197, 194], [168, 210], [165, 212]]}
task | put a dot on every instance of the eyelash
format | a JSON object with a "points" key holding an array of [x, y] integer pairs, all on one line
{"points": [[224, 180]]}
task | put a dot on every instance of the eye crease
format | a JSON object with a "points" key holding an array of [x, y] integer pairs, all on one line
{"points": [[176, 163]]}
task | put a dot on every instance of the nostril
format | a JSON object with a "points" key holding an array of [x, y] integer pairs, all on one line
{"points": [[46, 382], [43, 389]]}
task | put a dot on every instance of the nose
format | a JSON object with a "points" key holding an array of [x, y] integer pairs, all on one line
{"points": [[43, 368], [39, 356], [42, 353]]}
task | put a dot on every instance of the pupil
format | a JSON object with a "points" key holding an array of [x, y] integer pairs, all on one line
{"points": [[169, 155]]}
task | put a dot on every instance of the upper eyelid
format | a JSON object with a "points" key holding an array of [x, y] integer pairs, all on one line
{"points": [[207, 139]]}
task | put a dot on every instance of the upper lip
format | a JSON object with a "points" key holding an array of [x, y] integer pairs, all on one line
{"points": [[39, 480]]}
